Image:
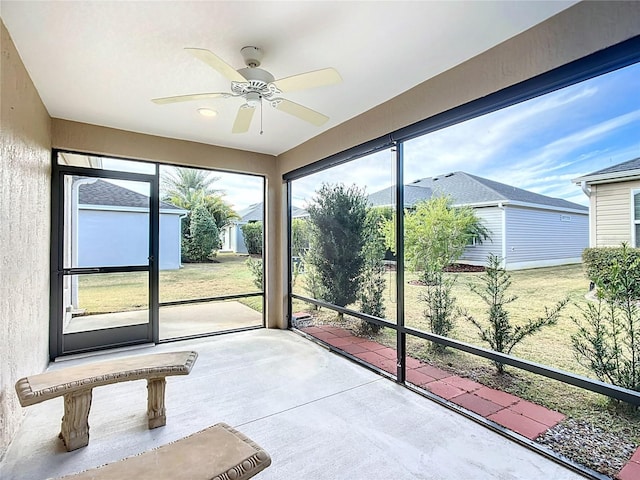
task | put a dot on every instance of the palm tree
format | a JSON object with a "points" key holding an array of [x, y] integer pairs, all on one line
{"points": [[190, 189], [185, 187]]}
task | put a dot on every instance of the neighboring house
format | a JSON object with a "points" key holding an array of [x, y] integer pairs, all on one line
{"points": [[231, 235], [614, 196], [113, 227], [527, 229]]}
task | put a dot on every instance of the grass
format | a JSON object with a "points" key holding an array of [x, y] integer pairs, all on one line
{"points": [[535, 289], [118, 292]]}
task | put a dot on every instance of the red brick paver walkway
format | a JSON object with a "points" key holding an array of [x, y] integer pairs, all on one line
{"points": [[514, 413]]}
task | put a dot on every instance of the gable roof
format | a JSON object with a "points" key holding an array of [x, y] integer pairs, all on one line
{"points": [[467, 189], [101, 192], [255, 212], [624, 171]]}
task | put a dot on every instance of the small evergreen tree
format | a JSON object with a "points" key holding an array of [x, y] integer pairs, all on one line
{"points": [[373, 282], [256, 267], [337, 217], [501, 334], [440, 311], [204, 236]]}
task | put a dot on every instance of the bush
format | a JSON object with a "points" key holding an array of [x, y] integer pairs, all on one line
{"points": [[599, 263], [338, 218], [256, 267], [204, 236], [440, 312], [608, 337], [372, 280], [252, 234], [436, 235]]}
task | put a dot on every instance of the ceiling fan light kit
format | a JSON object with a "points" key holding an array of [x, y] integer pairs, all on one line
{"points": [[254, 84]]}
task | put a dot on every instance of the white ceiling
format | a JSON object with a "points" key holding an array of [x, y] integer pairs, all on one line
{"points": [[102, 62]]}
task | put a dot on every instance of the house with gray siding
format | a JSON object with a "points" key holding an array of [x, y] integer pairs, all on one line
{"points": [[112, 227], [614, 201], [231, 235], [527, 229]]}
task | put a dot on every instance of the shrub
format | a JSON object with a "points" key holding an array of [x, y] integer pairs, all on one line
{"points": [[255, 266], [599, 262], [204, 236], [501, 334], [440, 312], [372, 279], [436, 235], [608, 337], [338, 220], [252, 235]]}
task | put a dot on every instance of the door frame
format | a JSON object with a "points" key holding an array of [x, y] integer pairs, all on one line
{"points": [[64, 344]]}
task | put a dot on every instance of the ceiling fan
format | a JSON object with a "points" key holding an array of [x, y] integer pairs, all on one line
{"points": [[255, 85]]}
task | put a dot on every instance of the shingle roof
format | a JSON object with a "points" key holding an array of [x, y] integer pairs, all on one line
{"points": [[466, 189], [255, 212], [620, 167], [412, 195], [105, 193]]}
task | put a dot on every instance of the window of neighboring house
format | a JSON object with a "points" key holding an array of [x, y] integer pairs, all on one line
{"points": [[636, 218]]}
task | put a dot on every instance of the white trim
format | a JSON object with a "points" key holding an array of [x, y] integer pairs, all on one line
{"points": [[543, 263], [632, 216], [114, 208], [609, 177], [513, 203]]}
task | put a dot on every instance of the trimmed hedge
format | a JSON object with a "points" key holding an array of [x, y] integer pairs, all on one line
{"points": [[603, 264]]}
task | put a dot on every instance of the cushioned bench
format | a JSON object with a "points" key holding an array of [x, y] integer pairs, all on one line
{"points": [[76, 385], [216, 453]]}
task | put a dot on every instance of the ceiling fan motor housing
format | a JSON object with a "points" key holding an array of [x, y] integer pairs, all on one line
{"points": [[252, 56]]}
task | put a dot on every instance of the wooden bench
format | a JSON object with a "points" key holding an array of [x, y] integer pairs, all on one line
{"points": [[76, 385], [216, 453]]}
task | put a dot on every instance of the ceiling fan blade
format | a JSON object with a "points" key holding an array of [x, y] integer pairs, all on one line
{"points": [[215, 62], [188, 98], [300, 111], [303, 81], [243, 119]]}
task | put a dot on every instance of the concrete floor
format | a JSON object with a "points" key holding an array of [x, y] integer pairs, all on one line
{"points": [[319, 416], [177, 320]]}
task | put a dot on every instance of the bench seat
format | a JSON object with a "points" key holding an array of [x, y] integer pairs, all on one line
{"points": [[76, 383], [216, 453]]}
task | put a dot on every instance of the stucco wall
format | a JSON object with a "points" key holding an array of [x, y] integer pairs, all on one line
{"points": [[25, 142]]}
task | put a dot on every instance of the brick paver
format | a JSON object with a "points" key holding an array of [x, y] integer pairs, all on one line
{"points": [[526, 418]]}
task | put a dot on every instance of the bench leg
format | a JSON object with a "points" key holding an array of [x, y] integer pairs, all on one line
{"points": [[155, 402], [75, 422]]}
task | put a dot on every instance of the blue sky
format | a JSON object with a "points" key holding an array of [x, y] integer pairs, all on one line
{"points": [[539, 145]]}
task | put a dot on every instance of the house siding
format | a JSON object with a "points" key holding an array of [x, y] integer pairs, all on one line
{"points": [[612, 213], [491, 218], [536, 237], [115, 238]]}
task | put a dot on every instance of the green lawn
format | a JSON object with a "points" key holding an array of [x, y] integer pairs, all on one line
{"points": [[118, 292], [535, 289]]}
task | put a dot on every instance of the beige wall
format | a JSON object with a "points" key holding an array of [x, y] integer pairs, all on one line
{"points": [[611, 207], [25, 142]]}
